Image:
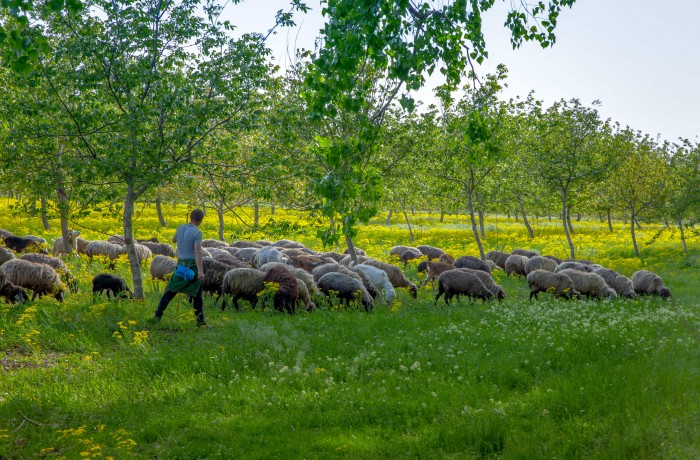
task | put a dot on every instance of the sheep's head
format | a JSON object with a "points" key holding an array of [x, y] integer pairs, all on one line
{"points": [[664, 292]]}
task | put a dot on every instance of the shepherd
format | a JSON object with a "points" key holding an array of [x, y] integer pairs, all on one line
{"points": [[189, 273]]}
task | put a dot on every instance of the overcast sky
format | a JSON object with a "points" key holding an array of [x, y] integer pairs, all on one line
{"points": [[640, 58]]}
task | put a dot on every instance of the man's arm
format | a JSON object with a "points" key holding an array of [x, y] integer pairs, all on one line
{"points": [[198, 261]]}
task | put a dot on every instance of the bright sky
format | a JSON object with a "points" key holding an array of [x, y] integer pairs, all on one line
{"points": [[640, 58]]}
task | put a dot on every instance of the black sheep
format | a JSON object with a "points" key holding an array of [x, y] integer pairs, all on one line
{"points": [[287, 293], [110, 283], [19, 244], [13, 293]]}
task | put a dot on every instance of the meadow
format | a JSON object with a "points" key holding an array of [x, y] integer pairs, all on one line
{"points": [[515, 379]]}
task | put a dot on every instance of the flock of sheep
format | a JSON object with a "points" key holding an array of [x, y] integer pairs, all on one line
{"points": [[242, 270]]}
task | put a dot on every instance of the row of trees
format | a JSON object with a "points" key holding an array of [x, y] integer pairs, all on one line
{"points": [[151, 100]]}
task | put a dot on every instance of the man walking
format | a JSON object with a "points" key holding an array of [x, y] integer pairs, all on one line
{"points": [[188, 238]]}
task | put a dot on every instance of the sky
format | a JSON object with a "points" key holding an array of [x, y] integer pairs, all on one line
{"points": [[639, 58]]}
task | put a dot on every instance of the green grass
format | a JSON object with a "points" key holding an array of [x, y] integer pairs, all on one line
{"points": [[515, 380]]}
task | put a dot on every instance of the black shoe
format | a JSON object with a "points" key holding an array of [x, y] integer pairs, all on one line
{"points": [[202, 324]]}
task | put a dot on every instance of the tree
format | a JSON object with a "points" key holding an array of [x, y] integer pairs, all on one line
{"points": [[684, 183]]}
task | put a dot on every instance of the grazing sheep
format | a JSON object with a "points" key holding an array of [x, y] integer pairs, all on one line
{"points": [[301, 274], [380, 280], [333, 255], [411, 254], [554, 258], [5, 255], [39, 278], [457, 282], [543, 281], [398, 250], [396, 276], [233, 262], [117, 239], [162, 266], [244, 244], [430, 251], [580, 261], [247, 254], [524, 252], [216, 251], [570, 265], [59, 247], [348, 262], [436, 269], [622, 285], [446, 258], [263, 243], [149, 240], [307, 262], [214, 244], [214, 272], [242, 283], [423, 267], [268, 254], [590, 284], [304, 297], [540, 263], [5, 233], [359, 275], [104, 248], [488, 281], [205, 252], [358, 252], [346, 288], [37, 239], [646, 282], [163, 249], [515, 265], [58, 265], [142, 252], [13, 293], [498, 257], [26, 244], [110, 283], [82, 244], [288, 244], [474, 263], [287, 290]]}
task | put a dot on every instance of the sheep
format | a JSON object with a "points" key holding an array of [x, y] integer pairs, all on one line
{"points": [[82, 244], [570, 265], [380, 280], [287, 290], [540, 263], [294, 252], [646, 282], [396, 276], [216, 251], [263, 243], [346, 288], [205, 252], [332, 255], [358, 252], [430, 251], [488, 282], [104, 248], [554, 258], [498, 257], [303, 296], [590, 284], [244, 244], [524, 252], [456, 282], [348, 262], [247, 254], [301, 274], [5, 233], [232, 250], [580, 261], [214, 272], [307, 262], [163, 249], [106, 282], [448, 259], [398, 250], [543, 281], [411, 254], [359, 275], [26, 244], [37, 239], [142, 252], [268, 254], [59, 247], [423, 266], [214, 244], [622, 285], [233, 262], [435, 269], [515, 265], [58, 265], [148, 240], [5, 255], [13, 293], [289, 244], [162, 266], [117, 239], [39, 278], [242, 283], [474, 263]]}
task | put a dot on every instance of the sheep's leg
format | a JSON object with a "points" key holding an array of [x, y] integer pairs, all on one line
{"points": [[533, 293]]}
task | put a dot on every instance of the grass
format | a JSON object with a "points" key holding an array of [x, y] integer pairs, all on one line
{"points": [[547, 379]]}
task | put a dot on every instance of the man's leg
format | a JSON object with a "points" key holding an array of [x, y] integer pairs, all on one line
{"points": [[199, 308], [163, 304]]}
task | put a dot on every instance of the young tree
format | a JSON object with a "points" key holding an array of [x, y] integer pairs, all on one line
{"points": [[684, 183]]}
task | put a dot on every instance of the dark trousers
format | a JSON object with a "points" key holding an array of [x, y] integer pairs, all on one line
{"points": [[197, 303]]}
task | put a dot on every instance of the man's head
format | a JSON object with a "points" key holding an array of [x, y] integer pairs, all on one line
{"points": [[196, 216]]}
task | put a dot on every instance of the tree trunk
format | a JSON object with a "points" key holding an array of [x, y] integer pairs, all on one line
{"points": [[256, 213], [473, 220], [134, 263], [610, 227], [413, 211], [549, 215], [64, 214], [481, 223], [351, 249], [568, 219], [578, 217], [410, 228], [159, 211], [530, 231], [564, 209], [600, 218], [680, 227], [44, 214], [442, 215], [634, 237], [636, 222], [272, 209], [388, 217], [220, 214], [515, 214]]}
